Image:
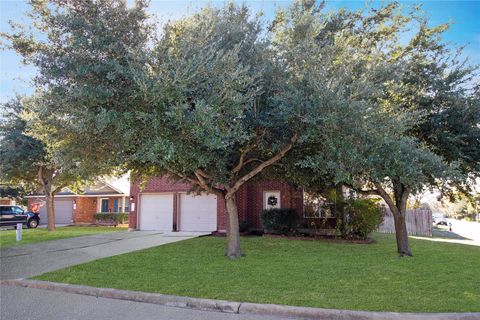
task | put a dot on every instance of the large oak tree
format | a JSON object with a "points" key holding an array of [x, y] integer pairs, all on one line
{"points": [[421, 125]]}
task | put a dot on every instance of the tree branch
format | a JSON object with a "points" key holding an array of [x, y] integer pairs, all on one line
{"points": [[203, 174], [241, 161], [204, 184], [181, 176], [251, 160], [386, 197], [370, 192], [264, 165]]}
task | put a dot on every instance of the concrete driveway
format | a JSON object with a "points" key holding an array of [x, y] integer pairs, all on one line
{"points": [[35, 259], [464, 232]]}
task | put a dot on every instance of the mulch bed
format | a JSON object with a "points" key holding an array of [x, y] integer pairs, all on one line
{"points": [[308, 238], [321, 238]]}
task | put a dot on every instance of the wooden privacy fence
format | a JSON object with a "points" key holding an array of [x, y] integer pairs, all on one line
{"points": [[419, 222]]}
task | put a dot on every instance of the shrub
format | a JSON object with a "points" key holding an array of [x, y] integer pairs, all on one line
{"points": [[244, 226], [362, 216], [280, 221], [116, 218]]}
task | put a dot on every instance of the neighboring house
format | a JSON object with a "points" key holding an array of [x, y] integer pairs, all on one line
{"points": [[80, 208], [166, 205]]}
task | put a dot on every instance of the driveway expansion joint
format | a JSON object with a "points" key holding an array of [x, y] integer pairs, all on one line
{"points": [[234, 307]]}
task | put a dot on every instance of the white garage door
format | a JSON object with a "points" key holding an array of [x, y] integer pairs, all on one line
{"points": [[156, 212], [198, 213], [63, 212]]}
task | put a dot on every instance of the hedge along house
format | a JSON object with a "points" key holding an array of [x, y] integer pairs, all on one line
{"points": [[80, 208], [166, 205]]}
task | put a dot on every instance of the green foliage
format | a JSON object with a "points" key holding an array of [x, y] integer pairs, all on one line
{"points": [[119, 217], [21, 153], [32, 156], [281, 221], [362, 217], [12, 192]]}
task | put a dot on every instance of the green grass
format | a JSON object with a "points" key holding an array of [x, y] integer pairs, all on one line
{"points": [[7, 237], [441, 277]]}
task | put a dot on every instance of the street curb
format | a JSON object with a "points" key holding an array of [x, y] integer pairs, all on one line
{"points": [[235, 307], [334, 314], [154, 298]]}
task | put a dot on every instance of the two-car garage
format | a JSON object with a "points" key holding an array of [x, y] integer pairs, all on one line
{"points": [[188, 212]]}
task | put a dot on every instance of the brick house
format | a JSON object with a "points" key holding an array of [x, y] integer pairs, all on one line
{"points": [[80, 208], [165, 205], [6, 201]]}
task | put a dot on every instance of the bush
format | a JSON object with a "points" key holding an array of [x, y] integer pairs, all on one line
{"points": [[280, 221], [243, 226], [116, 218], [362, 216]]}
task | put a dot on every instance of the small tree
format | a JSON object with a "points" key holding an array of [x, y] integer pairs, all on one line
{"points": [[29, 161]]}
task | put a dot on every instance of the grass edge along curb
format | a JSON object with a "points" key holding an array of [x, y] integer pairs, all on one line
{"points": [[233, 307]]}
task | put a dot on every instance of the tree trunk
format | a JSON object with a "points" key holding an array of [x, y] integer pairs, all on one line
{"points": [[46, 176], [233, 231], [401, 193], [340, 209], [401, 234], [49, 197], [399, 209]]}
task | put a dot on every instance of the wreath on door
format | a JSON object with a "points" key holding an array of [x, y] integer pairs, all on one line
{"points": [[272, 201]]}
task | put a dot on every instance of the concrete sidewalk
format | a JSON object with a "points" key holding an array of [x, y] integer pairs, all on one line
{"points": [[35, 259]]}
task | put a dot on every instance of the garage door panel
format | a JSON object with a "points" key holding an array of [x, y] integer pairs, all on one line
{"points": [[198, 212], [156, 212], [63, 212]]}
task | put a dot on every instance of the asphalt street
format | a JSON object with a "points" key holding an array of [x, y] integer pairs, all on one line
{"points": [[34, 304]]}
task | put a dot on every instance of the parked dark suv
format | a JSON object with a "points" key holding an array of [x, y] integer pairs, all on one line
{"points": [[11, 215]]}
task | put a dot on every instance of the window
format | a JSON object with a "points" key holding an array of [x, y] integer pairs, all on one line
{"points": [[316, 206], [115, 205], [17, 210], [104, 205]]}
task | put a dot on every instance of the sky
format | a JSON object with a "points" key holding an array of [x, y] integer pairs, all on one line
{"points": [[15, 78]]}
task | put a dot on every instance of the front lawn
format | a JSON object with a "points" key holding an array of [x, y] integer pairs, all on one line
{"points": [[441, 277], [7, 237]]}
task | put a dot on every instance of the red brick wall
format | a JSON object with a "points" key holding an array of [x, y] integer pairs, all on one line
{"points": [[249, 199], [85, 209], [6, 201]]}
